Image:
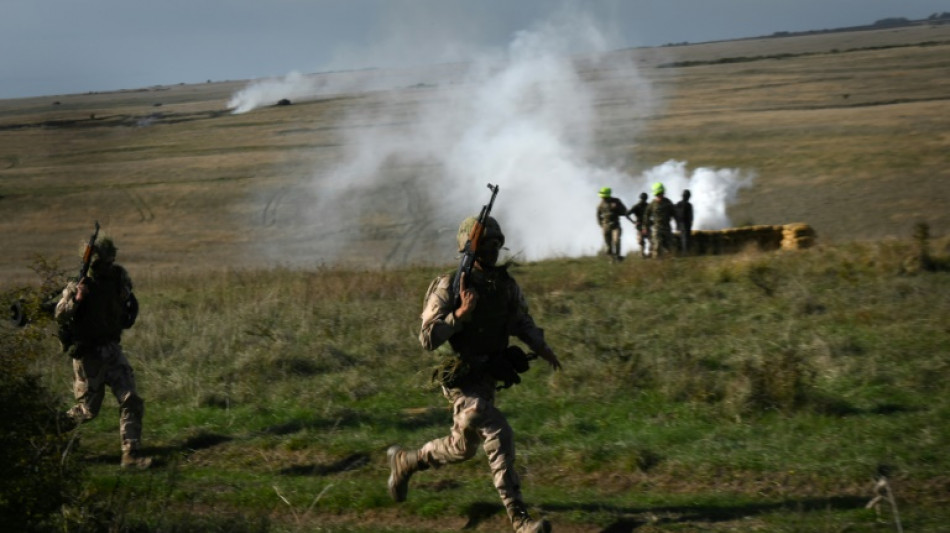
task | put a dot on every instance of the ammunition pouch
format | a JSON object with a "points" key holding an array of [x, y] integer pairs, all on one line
{"points": [[130, 311], [505, 366]]}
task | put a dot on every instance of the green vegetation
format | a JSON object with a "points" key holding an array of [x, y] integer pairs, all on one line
{"points": [[752, 392]]}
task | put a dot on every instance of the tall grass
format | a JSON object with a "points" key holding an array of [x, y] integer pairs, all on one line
{"points": [[701, 392]]}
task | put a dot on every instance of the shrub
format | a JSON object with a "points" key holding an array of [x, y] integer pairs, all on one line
{"points": [[36, 474]]}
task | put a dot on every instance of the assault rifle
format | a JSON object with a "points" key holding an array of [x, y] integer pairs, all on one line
{"points": [[64, 333], [471, 246], [87, 254]]}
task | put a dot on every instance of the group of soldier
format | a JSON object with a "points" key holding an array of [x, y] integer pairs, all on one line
{"points": [[472, 330], [653, 222]]}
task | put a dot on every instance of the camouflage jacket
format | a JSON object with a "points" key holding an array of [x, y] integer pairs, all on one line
{"points": [[660, 212], [609, 212], [101, 316], [501, 312]]}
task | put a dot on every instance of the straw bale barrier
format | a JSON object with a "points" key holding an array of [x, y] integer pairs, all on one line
{"points": [[732, 240]]}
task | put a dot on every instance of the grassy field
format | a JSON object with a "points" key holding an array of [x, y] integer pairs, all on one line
{"points": [[845, 131], [754, 392]]}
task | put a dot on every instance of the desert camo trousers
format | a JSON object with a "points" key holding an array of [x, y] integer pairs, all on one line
{"points": [[98, 367], [475, 419], [612, 239], [662, 241]]}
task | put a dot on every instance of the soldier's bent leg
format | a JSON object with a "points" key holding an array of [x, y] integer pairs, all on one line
{"points": [[88, 388], [402, 465], [462, 443], [131, 412], [500, 448]]}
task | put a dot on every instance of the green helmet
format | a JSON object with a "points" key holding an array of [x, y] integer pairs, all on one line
{"points": [[492, 231], [105, 248], [658, 188], [605, 192]]}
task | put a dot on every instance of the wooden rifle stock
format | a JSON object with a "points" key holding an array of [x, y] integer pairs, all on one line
{"points": [[87, 254], [471, 246]]}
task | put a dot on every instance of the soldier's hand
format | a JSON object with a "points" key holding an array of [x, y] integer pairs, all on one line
{"points": [[469, 299], [81, 290], [548, 355]]}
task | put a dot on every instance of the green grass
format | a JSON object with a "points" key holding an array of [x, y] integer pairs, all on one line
{"points": [[751, 392]]}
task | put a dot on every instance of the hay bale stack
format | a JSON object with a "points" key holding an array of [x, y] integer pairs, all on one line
{"points": [[734, 240], [761, 237], [797, 236]]}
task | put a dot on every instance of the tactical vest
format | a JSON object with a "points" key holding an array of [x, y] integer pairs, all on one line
{"points": [[661, 212], [487, 331], [100, 316]]}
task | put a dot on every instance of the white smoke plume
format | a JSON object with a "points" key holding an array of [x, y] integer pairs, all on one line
{"points": [[711, 190], [526, 120]]}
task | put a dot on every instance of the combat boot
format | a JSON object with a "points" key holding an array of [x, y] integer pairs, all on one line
{"points": [[522, 522], [135, 460], [402, 464]]}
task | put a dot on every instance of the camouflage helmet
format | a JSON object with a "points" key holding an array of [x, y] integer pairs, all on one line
{"points": [[492, 231], [643, 196], [105, 248]]}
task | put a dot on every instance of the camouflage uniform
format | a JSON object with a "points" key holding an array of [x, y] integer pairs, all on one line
{"points": [[501, 311], [639, 213], [94, 326], [659, 216], [609, 212]]}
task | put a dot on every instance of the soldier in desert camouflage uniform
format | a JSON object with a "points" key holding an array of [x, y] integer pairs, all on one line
{"points": [[93, 313], [477, 332]]}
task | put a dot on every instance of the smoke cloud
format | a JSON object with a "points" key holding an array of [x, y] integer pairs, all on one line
{"points": [[526, 118]]}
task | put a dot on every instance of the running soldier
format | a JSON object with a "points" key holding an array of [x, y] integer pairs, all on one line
{"points": [[92, 314], [474, 338]]}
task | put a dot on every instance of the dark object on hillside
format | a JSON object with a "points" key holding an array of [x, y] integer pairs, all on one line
{"points": [[283, 101], [17, 316]]}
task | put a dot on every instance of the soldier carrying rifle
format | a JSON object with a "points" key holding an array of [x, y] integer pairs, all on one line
{"points": [[473, 324], [92, 313]]}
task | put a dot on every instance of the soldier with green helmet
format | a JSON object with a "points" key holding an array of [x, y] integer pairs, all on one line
{"points": [[474, 336], [659, 216], [92, 314], [609, 211]]}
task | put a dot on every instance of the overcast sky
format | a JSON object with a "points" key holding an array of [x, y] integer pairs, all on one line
{"points": [[75, 46]]}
